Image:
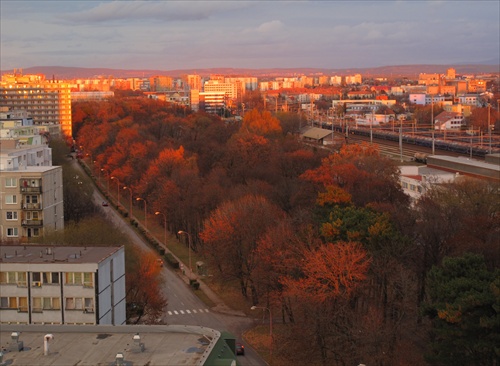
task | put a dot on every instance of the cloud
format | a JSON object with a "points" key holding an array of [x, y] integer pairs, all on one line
{"points": [[151, 10], [272, 26]]}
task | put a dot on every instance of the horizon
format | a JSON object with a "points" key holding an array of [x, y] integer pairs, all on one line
{"points": [[165, 35]]}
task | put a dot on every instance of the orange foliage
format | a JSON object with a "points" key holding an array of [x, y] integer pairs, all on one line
{"points": [[331, 271], [261, 123], [144, 286]]}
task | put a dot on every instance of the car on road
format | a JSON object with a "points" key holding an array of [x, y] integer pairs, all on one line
{"points": [[240, 349], [105, 204]]}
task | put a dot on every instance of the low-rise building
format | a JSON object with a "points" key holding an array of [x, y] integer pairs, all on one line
{"points": [[62, 285]]}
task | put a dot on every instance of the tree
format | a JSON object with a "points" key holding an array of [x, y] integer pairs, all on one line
{"points": [[263, 124], [143, 279], [363, 173], [230, 237], [464, 307], [332, 270]]}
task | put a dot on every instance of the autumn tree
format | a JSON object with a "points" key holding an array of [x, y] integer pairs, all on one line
{"points": [[360, 170], [145, 299], [322, 291], [230, 237], [261, 123]]}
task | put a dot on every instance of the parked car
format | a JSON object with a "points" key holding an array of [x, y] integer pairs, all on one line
{"points": [[240, 349]]}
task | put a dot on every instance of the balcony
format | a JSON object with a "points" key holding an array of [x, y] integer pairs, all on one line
{"points": [[32, 206], [32, 223], [31, 189]]}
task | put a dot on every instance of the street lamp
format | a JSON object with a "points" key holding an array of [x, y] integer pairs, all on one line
{"points": [[145, 212], [117, 189], [130, 213], [107, 178], [270, 327], [180, 232], [164, 226]]}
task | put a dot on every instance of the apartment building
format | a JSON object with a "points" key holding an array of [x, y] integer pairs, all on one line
{"points": [[31, 189], [62, 285], [48, 102], [229, 89]]}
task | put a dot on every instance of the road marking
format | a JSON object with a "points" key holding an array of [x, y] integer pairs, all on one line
{"points": [[187, 311]]}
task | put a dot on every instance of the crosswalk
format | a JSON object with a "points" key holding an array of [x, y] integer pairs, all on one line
{"points": [[185, 312]]}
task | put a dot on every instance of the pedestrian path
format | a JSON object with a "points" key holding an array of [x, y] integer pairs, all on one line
{"points": [[184, 312]]}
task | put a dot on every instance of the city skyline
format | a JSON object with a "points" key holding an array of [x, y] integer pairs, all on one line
{"points": [[169, 35]]}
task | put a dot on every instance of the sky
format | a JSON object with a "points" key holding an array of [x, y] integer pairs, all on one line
{"points": [[178, 34]]}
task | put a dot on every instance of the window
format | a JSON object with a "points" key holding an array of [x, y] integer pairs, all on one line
{"points": [[89, 305], [10, 302], [12, 231], [50, 278], [10, 182], [37, 304], [79, 278], [51, 303], [88, 280], [11, 215], [74, 303], [36, 278], [10, 199], [23, 304]]}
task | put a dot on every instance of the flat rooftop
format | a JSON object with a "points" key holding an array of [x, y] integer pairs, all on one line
{"points": [[98, 345], [54, 254]]}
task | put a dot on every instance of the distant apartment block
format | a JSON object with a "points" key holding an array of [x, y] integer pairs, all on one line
{"points": [[62, 285], [229, 89], [353, 79], [47, 101], [194, 82]]}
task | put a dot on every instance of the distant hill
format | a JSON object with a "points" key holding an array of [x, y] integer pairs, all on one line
{"points": [[411, 71]]}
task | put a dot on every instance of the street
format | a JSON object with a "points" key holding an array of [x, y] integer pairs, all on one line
{"points": [[184, 307]]}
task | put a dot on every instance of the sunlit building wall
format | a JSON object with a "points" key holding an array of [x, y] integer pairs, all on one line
{"points": [[47, 101]]}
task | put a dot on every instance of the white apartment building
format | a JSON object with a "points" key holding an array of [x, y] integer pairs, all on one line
{"points": [[31, 188], [62, 285], [416, 180], [426, 99], [229, 89]]}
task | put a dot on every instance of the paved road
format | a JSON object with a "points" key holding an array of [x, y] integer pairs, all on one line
{"points": [[184, 307]]}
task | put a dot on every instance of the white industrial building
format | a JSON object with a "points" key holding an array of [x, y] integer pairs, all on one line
{"points": [[62, 285]]}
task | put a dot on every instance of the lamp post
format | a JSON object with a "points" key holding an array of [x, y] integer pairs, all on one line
{"points": [[107, 178], [270, 328], [117, 189], [145, 212], [130, 213], [489, 127], [180, 232], [164, 226]]}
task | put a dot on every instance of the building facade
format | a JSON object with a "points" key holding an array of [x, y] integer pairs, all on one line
{"points": [[62, 285], [31, 188], [47, 101]]}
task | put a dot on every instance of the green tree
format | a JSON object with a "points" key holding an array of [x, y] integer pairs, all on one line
{"points": [[464, 307]]}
